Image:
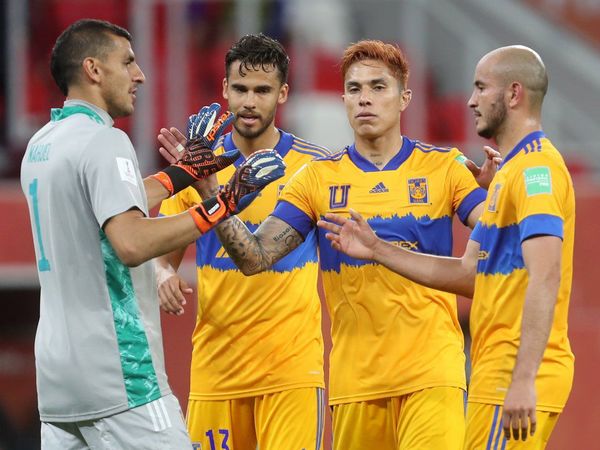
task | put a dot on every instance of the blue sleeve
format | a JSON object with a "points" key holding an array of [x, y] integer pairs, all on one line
{"points": [[294, 217], [540, 225], [469, 202]]}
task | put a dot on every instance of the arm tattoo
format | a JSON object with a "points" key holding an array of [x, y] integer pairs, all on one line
{"points": [[254, 253]]}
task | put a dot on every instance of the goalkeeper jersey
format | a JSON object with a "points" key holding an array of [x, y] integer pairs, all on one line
{"points": [[390, 336], [260, 334], [531, 195]]}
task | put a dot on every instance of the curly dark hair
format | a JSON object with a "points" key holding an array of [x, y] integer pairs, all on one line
{"points": [[257, 51]]}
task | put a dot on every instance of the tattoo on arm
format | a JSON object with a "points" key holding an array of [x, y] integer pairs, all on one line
{"points": [[254, 253]]}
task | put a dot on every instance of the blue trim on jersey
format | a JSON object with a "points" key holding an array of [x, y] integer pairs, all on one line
{"points": [[521, 145], [503, 247], [422, 235], [302, 145], [294, 216], [283, 146], [367, 166], [541, 225], [428, 148], [210, 252], [474, 198], [333, 156]]}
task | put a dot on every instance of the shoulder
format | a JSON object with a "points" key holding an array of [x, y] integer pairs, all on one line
{"points": [[425, 148], [305, 147]]}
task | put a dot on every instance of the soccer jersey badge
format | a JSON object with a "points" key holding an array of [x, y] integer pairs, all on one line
{"points": [[417, 190], [494, 198]]}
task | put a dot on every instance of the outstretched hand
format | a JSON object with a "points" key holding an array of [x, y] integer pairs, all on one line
{"points": [[172, 143], [484, 174], [353, 236]]}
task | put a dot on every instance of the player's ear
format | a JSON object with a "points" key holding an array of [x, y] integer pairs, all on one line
{"points": [[91, 69], [225, 84], [283, 93], [406, 95], [517, 94]]}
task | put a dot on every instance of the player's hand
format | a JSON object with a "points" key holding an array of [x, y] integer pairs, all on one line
{"points": [[260, 169], [484, 174], [171, 290], [353, 236], [198, 160], [518, 413], [172, 144]]}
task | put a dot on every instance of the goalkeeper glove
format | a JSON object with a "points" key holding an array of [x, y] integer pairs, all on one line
{"points": [[198, 160], [260, 169]]}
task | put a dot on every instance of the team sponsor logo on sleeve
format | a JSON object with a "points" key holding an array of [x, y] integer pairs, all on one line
{"points": [[537, 181], [417, 191], [127, 170], [462, 159]]}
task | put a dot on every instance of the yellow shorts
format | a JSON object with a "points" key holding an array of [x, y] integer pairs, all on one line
{"points": [[280, 421], [484, 429], [428, 419]]}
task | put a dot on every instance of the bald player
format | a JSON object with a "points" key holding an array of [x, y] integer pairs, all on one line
{"points": [[517, 265]]}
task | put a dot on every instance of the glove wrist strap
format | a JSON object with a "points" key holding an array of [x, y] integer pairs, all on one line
{"points": [[174, 179], [209, 213]]}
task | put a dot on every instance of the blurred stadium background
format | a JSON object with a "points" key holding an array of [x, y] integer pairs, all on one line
{"points": [[180, 45]]}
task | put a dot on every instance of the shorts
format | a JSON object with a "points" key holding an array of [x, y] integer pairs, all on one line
{"points": [[484, 429], [287, 420], [157, 425], [432, 418]]}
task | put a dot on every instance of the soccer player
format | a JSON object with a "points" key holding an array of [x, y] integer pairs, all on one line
{"points": [[397, 377], [101, 380], [257, 362], [517, 265]]}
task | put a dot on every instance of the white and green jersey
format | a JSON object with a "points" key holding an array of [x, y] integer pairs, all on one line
{"points": [[98, 345]]}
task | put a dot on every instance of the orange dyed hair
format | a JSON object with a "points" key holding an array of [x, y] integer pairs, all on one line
{"points": [[389, 54]]}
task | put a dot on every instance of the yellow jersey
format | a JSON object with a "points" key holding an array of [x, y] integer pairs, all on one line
{"points": [[531, 195], [260, 334], [390, 336]]}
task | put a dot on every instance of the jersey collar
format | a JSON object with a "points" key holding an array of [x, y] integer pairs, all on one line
{"points": [[521, 145], [81, 107], [367, 166], [282, 147]]}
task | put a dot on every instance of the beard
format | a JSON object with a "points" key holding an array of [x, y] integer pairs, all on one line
{"points": [[250, 133], [495, 120]]}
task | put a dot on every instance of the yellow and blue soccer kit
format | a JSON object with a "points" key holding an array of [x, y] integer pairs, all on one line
{"points": [[531, 195], [255, 336], [391, 337]]}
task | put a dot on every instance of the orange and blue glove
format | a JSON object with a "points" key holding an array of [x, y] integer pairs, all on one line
{"points": [[198, 160], [260, 169]]}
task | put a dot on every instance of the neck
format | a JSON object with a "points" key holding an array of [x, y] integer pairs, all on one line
{"points": [[379, 150], [268, 139], [514, 131], [76, 93]]}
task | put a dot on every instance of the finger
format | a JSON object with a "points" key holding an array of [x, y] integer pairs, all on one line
{"points": [[178, 135], [168, 156], [336, 218], [475, 170], [533, 421], [356, 216], [515, 425], [490, 152], [506, 424], [328, 226]]}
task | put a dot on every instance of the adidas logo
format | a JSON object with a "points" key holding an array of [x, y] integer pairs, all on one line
{"points": [[379, 188]]}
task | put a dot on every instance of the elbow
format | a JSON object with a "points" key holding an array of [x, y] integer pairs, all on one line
{"points": [[249, 271], [130, 255]]}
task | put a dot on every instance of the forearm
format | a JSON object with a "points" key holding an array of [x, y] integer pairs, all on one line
{"points": [[538, 314], [436, 272], [137, 239], [155, 192], [243, 247]]}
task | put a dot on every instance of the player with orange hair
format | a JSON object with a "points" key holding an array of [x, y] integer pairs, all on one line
{"points": [[397, 376]]}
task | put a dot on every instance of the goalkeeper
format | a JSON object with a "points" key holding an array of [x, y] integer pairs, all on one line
{"points": [[100, 372]]}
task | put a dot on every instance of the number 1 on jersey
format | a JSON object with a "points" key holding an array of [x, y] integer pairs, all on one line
{"points": [[43, 263]]}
